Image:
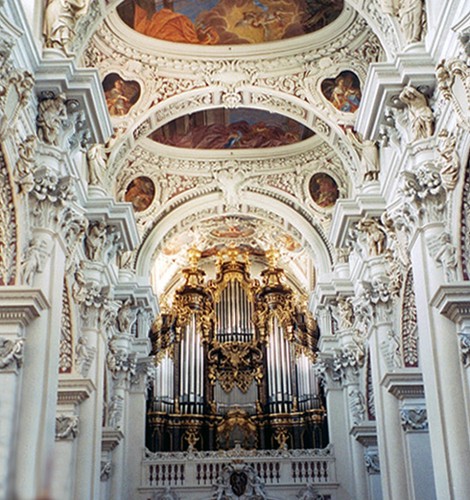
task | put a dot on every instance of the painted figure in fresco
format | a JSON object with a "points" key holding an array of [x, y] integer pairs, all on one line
{"points": [[140, 192], [166, 24], [344, 92], [210, 131], [228, 22], [121, 96], [323, 190]]}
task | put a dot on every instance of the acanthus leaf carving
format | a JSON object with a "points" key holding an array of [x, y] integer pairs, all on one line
{"points": [[409, 321], [425, 193]]}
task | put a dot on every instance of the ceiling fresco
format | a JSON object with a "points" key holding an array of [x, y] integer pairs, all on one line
{"points": [[120, 94], [231, 129], [228, 22], [343, 92]]}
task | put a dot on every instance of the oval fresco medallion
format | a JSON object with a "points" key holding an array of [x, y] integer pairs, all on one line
{"points": [[323, 190], [343, 92], [140, 192], [120, 94], [228, 22], [221, 128]]}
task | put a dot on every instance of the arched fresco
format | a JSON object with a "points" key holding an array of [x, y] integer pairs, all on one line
{"points": [[231, 129]]}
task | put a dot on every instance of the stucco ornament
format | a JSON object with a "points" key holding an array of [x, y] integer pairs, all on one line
{"points": [[60, 19], [34, 260], [66, 427], [369, 154], [449, 160], [11, 352], [52, 114], [357, 406], [421, 117], [96, 161]]}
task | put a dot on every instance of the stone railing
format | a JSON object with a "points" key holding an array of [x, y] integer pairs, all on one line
{"points": [[200, 469]]}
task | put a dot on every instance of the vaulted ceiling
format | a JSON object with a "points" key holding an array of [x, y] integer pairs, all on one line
{"points": [[233, 123]]}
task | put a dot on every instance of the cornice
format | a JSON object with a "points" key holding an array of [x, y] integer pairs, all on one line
{"points": [[366, 434], [100, 206], [20, 305], [453, 301], [110, 439], [74, 390], [404, 384]]}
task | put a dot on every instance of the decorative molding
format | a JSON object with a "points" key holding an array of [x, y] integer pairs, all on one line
{"points": [[20, 305], [8, 227], [365, 434], [404, 384], [240, 453], [74, 390], [110, 439], [447, 73], [414, 419], [409, 323]]}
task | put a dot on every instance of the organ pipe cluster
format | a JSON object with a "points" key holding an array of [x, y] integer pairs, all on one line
{"points": [[233, 350]]}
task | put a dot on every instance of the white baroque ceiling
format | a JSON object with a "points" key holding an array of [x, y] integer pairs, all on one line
{"points": [[255, 198]]}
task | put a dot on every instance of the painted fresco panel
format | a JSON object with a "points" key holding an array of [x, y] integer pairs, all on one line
{"points": [[231, 129], [228, 22]]}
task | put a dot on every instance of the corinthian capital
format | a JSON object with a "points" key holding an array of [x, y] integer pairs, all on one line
{"points": [[374, 300], [425, 192]]}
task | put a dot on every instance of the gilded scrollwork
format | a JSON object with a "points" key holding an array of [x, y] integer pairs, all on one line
{"points": [[235, 364]]}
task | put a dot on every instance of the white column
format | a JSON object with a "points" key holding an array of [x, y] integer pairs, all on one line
{"points": [[36, 419], [441, 363], [18, 307]]}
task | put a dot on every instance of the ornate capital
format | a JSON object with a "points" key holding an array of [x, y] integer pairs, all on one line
{"points": [[414, 419], [11, 353], [374, 301], [66, 427], [425, 192], [340, 365]]}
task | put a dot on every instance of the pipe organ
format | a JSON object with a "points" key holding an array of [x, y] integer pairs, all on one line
{"points": [[234, 363]]}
